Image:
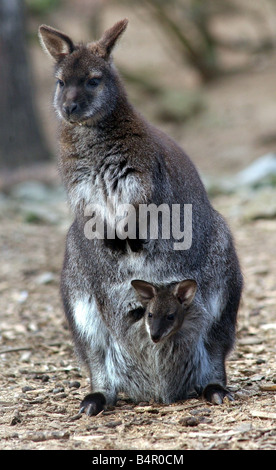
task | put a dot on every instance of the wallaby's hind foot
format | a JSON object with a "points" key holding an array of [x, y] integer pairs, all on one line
{"points": [[93, 404], [215, 394]]}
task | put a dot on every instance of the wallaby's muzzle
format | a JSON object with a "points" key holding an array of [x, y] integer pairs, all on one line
{"points": [[157, 330], [70, 109]]}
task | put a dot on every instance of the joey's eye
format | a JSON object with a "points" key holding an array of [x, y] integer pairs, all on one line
{"points": [[93, 82], [61, 83], [170, 317]]}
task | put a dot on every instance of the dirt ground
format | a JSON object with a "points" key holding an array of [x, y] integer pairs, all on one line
{"points": [[41, 384]]}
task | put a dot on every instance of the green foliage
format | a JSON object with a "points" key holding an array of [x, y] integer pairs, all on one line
{"points": [[178, 106], [32, 218], [40, 7]]}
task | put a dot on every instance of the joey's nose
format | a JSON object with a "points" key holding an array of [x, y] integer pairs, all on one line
{"points": [[155, 337], [70, 108]]}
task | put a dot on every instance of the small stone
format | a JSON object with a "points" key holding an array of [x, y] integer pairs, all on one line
{"points": [[202, 411], [45, 378], [260, 361], [25, 357], [257, 377], [113, 424], [126, 407], [22, 297], [45, 278], [233, 388], [248, 340], [76, 416], [35, 436], [58, 435], [17, 418], [58, 390], [189, 421], [74, 384], [268, 387], [27, 388], [262, 171]]}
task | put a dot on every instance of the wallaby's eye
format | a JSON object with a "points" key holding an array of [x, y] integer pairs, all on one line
{"points": [[170, 317], [93, 82], [150, 315], [61, 83]]}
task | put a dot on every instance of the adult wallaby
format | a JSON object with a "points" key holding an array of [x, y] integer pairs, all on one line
{"points": [[166, 307], [110, 156]]}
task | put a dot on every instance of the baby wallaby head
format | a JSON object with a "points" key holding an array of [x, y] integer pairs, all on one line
{"points": [[166, 306], [87, 83]]}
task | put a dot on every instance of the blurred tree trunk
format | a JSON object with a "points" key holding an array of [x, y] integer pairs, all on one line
{"points": [[21, 141]]}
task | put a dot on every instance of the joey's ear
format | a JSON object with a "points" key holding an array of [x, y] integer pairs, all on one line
{"points": [[185, 291], [55, 43], [145, 290], [110, 37]]}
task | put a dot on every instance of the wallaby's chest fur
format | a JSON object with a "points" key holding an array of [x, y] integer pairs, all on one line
{"points": [[102, 162], [126, 152], [111, 157]]}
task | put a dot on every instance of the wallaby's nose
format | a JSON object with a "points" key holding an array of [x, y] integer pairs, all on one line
{"points": [[70, 108]]}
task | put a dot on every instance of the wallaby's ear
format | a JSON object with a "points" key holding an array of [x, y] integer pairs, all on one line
{"points": [[110, 37], [185, 291], [145, 290], [55, 43]]}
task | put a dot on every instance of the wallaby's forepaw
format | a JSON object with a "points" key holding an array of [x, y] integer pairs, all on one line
{"points": [[92, 404], [215, 394], [136, 314]]}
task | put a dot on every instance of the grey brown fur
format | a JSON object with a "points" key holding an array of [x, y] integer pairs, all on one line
{"points": [[167, 307], [108, 150]]}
